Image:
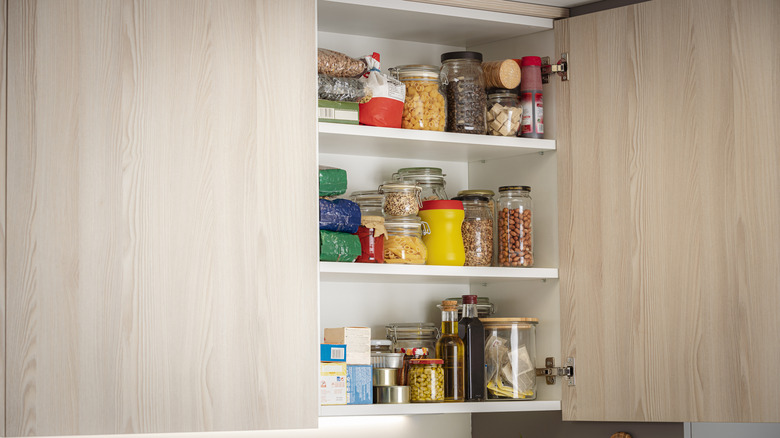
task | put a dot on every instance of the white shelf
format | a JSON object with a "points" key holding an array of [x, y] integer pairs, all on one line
{"points": [[424, 23], [336, 138], [373, 272], [440, 408]]}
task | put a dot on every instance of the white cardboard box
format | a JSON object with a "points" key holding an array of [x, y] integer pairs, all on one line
{"points": [[333, 383], [357, 340]]}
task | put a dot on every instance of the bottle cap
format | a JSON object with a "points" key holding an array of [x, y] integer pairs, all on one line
{"points": [[530, 60], [469, 299], [449, 306]]}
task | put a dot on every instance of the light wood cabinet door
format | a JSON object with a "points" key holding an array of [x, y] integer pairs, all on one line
{"points": [[668, 189], [162, 252], [3, 121]]}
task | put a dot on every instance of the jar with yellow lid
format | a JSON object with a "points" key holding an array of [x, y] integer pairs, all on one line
{"points": [[510, 358], [425, 107]]}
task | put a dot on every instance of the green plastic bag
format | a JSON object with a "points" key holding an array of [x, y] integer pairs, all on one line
{"points": [[333, 182], [338, 247]]}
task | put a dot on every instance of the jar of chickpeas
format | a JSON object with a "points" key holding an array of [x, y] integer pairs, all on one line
{"points": [[426, 379], [424, 106]]}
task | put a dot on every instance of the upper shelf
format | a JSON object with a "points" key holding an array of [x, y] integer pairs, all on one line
{"points": [[425, 23], [336, 138], [368, 272]]}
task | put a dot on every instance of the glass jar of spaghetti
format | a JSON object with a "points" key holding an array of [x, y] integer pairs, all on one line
{"points": [[424, 104], [404, 242]]}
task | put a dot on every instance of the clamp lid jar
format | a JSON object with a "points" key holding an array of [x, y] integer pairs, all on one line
{"points": [[400, 198], [404, 243], [424, 105], [430, 179], [413, 335]]}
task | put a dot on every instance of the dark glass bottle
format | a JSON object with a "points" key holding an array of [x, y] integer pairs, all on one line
{"points": [[449, 347], [472, 332]]}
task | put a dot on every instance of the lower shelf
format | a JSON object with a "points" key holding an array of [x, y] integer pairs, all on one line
{"points": [[440, 408]]}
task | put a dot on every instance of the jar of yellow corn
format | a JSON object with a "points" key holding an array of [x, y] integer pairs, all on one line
{"points": [[425, 107]]}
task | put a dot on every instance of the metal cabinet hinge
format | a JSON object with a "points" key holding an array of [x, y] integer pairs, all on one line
{"points": [[550, 372], [562, 68]]}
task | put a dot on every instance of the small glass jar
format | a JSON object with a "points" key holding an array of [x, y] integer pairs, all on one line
{"points": [[369, 201], [477, 230], [510, 358], [400, 198], [515, 227], [504, 114], [424, 105], [464, 86], [426, 379], [404, 244], [430, 179]]}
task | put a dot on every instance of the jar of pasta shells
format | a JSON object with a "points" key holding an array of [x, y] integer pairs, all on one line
{"points": [[400, 198], [404, 244], [424, 105]]}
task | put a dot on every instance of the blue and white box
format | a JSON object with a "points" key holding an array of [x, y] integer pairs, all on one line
{"points": [[333, 353], [360, 390]]}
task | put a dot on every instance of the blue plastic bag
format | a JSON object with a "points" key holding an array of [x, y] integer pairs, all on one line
{"points": [[340, 215]]}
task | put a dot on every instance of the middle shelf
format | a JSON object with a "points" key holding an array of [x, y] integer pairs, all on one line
{"points": [[367, 272]]}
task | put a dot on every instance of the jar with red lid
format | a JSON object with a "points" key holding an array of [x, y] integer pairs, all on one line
{"points": [[426, 379]]}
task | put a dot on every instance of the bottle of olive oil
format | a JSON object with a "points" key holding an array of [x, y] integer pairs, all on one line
{"points": [[450, 348]]}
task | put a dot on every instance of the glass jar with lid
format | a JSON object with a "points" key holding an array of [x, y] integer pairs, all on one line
{"points": [[515, 227], [426, 379], [510, 358], [400, 198], [430, 179], [369, 201], [503, 114], [477, 230], [410, 336], [424, 105], [464, 87], [404, 244]]}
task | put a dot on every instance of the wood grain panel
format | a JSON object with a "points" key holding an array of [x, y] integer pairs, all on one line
{"points": [[162, 252], [668, 177], [3, 121]]}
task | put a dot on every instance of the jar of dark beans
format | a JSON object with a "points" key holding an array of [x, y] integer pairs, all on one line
{"points": [[464, 86]]}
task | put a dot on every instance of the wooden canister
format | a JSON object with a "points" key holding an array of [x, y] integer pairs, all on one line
{"points": [[501, 74]]}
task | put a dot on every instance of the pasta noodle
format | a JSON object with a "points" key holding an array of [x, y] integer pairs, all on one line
{"points": [[405, 249]]}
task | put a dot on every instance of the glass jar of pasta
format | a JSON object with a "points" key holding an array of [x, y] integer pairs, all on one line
{"points": [[404, 242], [424, 105]]}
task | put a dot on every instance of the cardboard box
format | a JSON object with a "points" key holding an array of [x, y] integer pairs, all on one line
{"points": [[357, 340], [360, 389], [333, 383], [338, 112], [333, 353]]}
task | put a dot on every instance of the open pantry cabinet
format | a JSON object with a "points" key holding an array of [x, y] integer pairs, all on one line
{"points": [[375, 295], [664, 297]]}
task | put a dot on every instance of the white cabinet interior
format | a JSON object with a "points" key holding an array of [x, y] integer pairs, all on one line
{"points": [[352, 299]]}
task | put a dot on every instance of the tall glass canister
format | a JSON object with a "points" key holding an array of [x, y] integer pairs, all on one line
{"points": [[515, 227], [464, 86]]}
